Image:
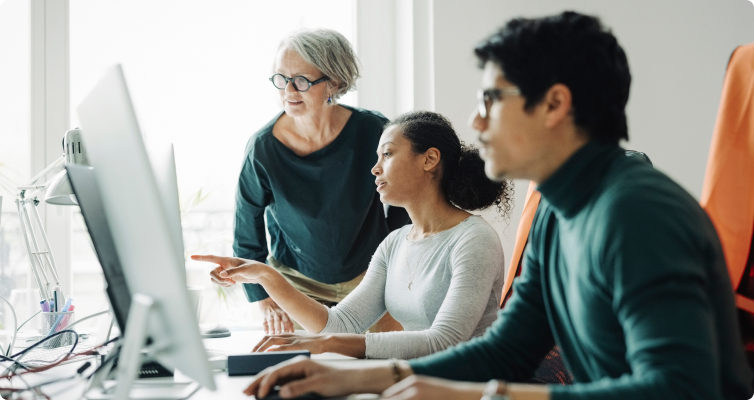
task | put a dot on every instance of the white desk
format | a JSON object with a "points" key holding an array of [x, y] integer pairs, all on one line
{"points": [[240, 342], [243, 342]]}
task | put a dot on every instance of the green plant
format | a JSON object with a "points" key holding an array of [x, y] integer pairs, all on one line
{"points": [[187, 205]]}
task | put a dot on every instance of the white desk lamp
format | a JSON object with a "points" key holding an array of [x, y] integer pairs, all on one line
{"points": [[57, 191]]}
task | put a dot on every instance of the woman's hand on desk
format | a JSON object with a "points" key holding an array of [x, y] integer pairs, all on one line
{"points": [[302, 375], [275, 319], [346, 344]]}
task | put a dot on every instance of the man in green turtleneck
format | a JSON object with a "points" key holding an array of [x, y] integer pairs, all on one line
{"points": [[623, 270]]}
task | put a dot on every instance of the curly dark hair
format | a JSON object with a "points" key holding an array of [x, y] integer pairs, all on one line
{"points": [[462, 176], [572, 49]]}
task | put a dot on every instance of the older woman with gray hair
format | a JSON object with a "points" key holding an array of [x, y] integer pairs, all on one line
{"points": [[308, 172]]}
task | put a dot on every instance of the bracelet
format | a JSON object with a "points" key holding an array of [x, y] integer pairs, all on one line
{"points": [[397, 372]]}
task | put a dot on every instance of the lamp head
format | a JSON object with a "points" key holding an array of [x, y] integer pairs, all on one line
{"points": [[60, 192]]}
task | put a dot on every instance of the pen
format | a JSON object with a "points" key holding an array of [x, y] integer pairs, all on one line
{"points": [[67, 317], [45, 306], [60, 317]]}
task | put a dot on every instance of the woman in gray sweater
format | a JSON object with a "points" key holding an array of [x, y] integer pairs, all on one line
{"points": [[441, 277]]}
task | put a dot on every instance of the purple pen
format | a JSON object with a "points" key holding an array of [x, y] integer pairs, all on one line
{"points": [[45, 306]]}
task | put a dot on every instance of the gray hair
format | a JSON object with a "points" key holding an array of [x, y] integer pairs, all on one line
{"points": [[331, 53]]}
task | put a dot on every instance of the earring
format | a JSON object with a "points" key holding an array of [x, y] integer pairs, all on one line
{"points": [[329, 100]]}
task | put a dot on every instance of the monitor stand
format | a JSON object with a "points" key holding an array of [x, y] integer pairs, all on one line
{"points": [[126, 386]]}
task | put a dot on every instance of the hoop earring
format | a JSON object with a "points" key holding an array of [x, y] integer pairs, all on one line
{"points": [[329, 100]]}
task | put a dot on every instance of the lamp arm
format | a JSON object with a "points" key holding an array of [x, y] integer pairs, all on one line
{"points": [[57, 163], [26, 228], [48, 254]]}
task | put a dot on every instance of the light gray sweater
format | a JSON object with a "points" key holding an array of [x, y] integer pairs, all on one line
{"points": [[455, 294]]}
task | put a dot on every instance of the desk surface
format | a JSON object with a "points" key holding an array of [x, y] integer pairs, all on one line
{"points": [[240, 342]]}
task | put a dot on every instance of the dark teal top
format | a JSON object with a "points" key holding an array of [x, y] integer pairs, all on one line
{"points": [[324, 216], [623, 271]]}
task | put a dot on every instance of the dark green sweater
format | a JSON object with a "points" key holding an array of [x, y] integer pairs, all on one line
{"points": [[324, 215], [623, 271]]}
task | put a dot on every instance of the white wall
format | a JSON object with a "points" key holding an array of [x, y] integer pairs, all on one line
{"points": [[677, 51]]}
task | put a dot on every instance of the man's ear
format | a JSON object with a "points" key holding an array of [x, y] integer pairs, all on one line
{"points": [[431, 159], [558, 104]]}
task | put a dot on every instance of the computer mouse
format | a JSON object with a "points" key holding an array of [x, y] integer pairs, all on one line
{"points": [[215, 331], [275, 395]]}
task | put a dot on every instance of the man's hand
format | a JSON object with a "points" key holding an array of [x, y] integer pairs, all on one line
{"points": [[315, 343], [426, 388], [276, 321], [302, 375]]}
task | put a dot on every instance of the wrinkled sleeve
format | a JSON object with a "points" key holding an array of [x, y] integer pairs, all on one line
{"points": [[512, 347], [660, 298], [252, 197], [476, 263]]}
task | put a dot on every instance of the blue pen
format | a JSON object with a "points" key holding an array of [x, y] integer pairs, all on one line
{"points": [[60, 317]]}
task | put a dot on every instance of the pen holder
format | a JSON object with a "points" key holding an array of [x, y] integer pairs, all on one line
{"points": [[55, 322]]}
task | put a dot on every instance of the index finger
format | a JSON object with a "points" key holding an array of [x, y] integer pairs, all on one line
{"points": [[208, 258]]}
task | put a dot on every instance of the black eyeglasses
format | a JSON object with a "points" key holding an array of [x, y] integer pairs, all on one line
{"points": [[486, 97], [300, 83]]}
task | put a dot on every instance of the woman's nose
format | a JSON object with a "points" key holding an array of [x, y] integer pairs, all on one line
{"points": [[376, 170], [289, 87]]}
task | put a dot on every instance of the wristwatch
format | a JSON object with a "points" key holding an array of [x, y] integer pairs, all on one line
{"points": [[495, 390]]}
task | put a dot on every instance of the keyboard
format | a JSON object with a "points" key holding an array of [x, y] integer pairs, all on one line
{"points": [[40, 357]]}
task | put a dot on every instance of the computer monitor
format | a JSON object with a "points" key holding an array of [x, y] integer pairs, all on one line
{"points": [[147, 246], [87, 192], [88, 196], [162, 158]]}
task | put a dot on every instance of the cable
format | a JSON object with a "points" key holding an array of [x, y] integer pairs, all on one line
{"points": [[36, 387], [87, 317], [111, 357], [79, 372], [23, 352], [4, 358], [15, 328], [30, 318], [91, 351]]}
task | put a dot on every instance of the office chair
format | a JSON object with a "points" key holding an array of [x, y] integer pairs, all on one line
{"points": [[728, 191]]}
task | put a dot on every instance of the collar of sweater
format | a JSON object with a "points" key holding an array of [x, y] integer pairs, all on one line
{"points": [[570, 187]]}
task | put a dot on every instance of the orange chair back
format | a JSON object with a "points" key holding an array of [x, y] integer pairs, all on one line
{"points": [[728, 191], [522, 235]]}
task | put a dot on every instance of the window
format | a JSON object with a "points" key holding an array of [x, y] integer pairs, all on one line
{"points": [[197, 72], [15, 109]]}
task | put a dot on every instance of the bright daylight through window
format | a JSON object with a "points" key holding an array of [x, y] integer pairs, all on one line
{"points": [[15, 119], [198, 73]]}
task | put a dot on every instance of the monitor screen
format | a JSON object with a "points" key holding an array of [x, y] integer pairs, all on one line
{"points": [[88, 195]]}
